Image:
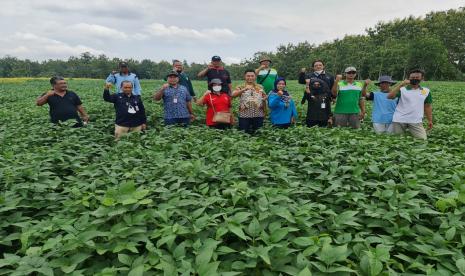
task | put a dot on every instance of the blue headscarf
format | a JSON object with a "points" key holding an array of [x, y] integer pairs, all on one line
{"points": [[276, 85]]}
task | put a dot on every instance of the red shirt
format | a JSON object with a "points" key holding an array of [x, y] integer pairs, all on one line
{"points": [[222, 103]]}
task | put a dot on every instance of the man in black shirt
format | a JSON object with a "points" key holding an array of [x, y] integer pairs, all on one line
{"points": [[318, 73], [215, 70], [64, 104]]}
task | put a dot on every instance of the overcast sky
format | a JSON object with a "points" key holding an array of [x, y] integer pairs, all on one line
{"points": [[191, 30]]}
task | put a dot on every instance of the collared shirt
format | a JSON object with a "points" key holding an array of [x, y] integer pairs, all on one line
{"points": [[411, 105], [266, 78], [348, 97], [130, 111], [175, 101], [185, 81], [64, 108], [118, 78]]}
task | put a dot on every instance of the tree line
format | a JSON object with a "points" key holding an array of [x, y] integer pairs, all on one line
{"points": [[434, 43]]}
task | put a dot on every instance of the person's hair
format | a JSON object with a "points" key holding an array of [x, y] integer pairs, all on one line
{"points": [[249, 71], [175, 60], [54, 79], [417, 70], [317, 60], [126, 81]]}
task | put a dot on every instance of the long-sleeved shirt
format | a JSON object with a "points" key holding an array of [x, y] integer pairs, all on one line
{"points": [[319, 104], [118, 78], [326, 77], [282, 109], [130, 111]]}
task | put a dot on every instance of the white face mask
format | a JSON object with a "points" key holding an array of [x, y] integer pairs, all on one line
{"points": [[216, 88]]}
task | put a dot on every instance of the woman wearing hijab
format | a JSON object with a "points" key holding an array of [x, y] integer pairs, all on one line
{"points": [[218, 104], [318, 96], [283, 111]]}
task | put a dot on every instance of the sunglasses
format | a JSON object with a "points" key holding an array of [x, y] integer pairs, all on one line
{"points": [[351, 73]]}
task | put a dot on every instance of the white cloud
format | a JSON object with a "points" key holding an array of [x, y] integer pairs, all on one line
{"points": [[218, 35], [97, 31], [29, 44], [231, 60]]}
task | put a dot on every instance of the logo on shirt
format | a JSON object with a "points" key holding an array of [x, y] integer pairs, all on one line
{"points": [[423, 92]]}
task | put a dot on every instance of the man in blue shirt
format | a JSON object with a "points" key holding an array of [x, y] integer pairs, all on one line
{"points": [[177, 102], [124, 75], [383, 107]]}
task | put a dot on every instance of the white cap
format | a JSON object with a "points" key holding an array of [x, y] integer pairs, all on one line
{"points": [[350, 69]]}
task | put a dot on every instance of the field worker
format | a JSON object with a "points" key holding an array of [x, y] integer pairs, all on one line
{"points": [[177, 102], [183, 77], [318, 95], [318, 73], [415, 101], [350, 103], [283, 112], [218, 104], [215, 70], [116, 78], [130, 111], [252, 103], [64, 104], [266, 76], [383, 107]]}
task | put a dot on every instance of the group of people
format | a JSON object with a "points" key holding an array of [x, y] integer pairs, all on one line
{"points": [[396, 108]]}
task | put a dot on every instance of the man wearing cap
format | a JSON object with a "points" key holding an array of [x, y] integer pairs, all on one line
{"points": [[116, 78], [415, 101], [183, 77], [215, 70], [383, 107], [318, 73], [266, 76], [177, 103], [350, 103]]}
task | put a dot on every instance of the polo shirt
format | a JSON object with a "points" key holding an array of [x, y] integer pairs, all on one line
{"points": [[348, 97], [411, 105], [64, 108], [118, 78]]}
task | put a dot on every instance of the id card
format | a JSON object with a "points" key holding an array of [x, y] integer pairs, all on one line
{"points": [[323, 105], [175, 100]]}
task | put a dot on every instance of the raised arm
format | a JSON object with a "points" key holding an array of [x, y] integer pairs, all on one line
{"points": [[335, 88], [201, 100], [44, 98], [395, 90], [159, 94]]}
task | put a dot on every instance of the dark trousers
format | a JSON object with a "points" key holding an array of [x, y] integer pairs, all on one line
{"points": [[178, 121], [282, 125], [312, 123], [250, 125], [221, 126]]}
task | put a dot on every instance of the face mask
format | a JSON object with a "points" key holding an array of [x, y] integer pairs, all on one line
{"points": [[414, 82], [216, 88], [179, 70]]}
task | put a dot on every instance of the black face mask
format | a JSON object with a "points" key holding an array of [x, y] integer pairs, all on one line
{"points": [[414, 82]]}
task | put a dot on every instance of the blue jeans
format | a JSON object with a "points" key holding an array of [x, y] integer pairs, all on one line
{"points": [[250, 125], [178, 121]]}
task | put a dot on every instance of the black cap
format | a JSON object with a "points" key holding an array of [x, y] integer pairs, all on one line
{"points": [[216, 58], [172, 73], [123, 64]]}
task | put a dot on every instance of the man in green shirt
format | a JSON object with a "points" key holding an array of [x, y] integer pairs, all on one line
{"points": [[266, 75], [350, 103]]}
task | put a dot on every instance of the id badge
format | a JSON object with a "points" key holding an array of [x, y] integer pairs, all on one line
{"points": [[323, 105], [175, 100]]}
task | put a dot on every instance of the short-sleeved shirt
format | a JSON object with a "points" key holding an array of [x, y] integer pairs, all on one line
{"points": [[252, 103], [118, 78], [175, 101], [221, 74], [267, 80], [221, 103], [410, 108], [383, 108], [64, 108], [348, 97]]}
